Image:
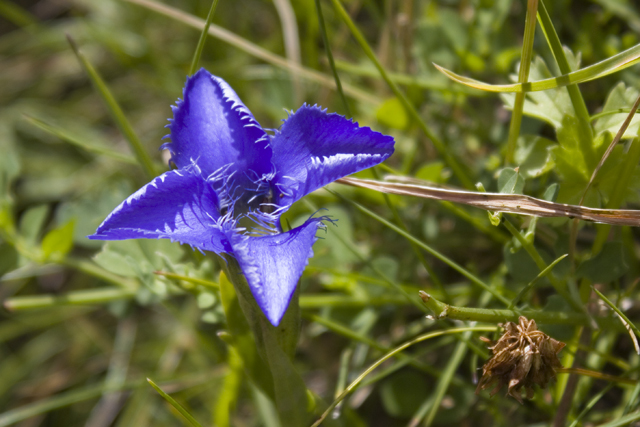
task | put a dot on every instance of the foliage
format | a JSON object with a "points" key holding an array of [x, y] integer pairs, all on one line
{"points": [[80, 125]]}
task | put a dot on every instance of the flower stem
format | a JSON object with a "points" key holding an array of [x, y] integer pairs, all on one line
{"points": [[490, 315], [523, 77]]}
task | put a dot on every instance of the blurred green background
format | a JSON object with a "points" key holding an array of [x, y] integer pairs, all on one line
{"points": [[87, 321]]}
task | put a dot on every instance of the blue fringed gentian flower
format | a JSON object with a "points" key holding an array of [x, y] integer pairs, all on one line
{"points": [[234, 180]]}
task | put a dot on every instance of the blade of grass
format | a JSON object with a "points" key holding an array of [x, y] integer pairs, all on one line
{"points": [[291, 38], [392, 353], [611, 112], [628, 324], [332, 64], [92, 148], [432, 82], [79, 395], [194, 280], [579, 106], [116, 112], [458, 170], [623, 421], [523, 77], [203, 37], [591, 404], [542, 265], [613, 64], [178, 407], [427, 248], [632, 400], [447, 375], [396, 216], [87, 297], [531, 284], [598, 375], [445, 380], [16, 14], [255, 50], [351, 247]]}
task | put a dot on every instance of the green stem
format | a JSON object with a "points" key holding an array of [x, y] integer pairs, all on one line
{"points": [[203, 38], [438, 144], [92, 296], [275, 345], [194, 280], [92, 269], [442, 311], [611, 112], [585, 132], [332, 64], [523, 77]]}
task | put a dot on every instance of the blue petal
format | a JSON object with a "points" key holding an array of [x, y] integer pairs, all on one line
{"points": [[314, 148], [273, 264], [213, 129], [178, 205]]}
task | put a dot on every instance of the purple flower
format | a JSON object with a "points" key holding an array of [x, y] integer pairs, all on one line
{"points": [[234, 180]]}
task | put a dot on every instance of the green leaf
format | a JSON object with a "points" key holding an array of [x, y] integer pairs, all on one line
{"points": [[433, 172], [91, 208], [551, 193], [519, 264], [620, 97], [206, 300], [141, 258], [533, 156], [59, 241], [8, 258], [610, 264], [113, 261], [392, 114], [32, 221], [510, 181], [610, 65], [10, 164], [575, 173]]}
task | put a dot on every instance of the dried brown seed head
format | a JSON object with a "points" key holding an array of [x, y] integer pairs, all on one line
{"points": [[522, 357]]}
